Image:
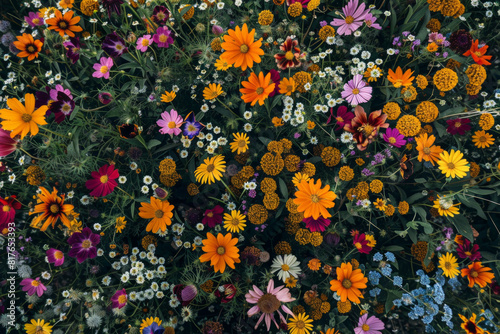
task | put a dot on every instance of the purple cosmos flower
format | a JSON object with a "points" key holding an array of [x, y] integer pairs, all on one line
{"points": [[372, 325], [119, 299], [32, 286], [112, 6], [62, 107], [356, 91], [161, 15], [316, 225], [73, 49], [163, 37], [55, 256], [370, 21], [394, 138], [34, 19], [144, 42], [114, 45], [170, 123], [192, 127], [102, 68], [353, 19], [83, 245]]}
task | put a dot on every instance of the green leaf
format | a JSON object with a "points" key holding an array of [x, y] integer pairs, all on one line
{"points": [[393, 248], [480, 191], [421, 212], [463, 226], [153, 142], [283, 188], [413, 235]]}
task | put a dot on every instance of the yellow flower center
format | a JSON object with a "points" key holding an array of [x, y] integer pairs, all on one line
{"points": [[426, 150], [86, 243], [477, 53], [171, 124], [66, 108], [242, 143], [349, 19], [285, 267], [289, 55], [458, 124], [314, 198], [468, 253], [163, 38], [160, 16], [30, 49], [63, 25], [368, 23], [244, 48], [366, 129], [103, 179], [104, 69], [392, 140], [122, 299], [39, 330], [210, 168], [259, 90], [26, 117], [447, 265], [451, 165], [159, 213], [355, 91], [474, 274], [58, 255], [268, 303], [6, 208], [358, 245], [365, 327], [300, 324], [210, 214], [145, 42], [36, 21], [346, 283], [54, 208], [221, 250], [35, 283]]}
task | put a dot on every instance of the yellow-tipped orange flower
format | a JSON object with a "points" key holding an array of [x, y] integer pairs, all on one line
{"points": [[348, 283], [240, 48], [28, 46], [314, 200], [399, 78], [64, 24], [257, 88], [476, 273], [22, 119], [51, 209], [220, 251]]}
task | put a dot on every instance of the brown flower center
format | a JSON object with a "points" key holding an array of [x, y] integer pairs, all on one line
{"points": [[242, 143], [210, 168], [314, 198], [39, 330], [346, 283], [474, 274], [235, 222], [349, 19], [300, 324], [26, 117], [259, 90], [159, 214], [355, 91], [426, 150], [447, 265], [86, 243], [31, 49], [103, 179], [482, 139], [289, 88], [244, 48], [289, 55], [54, 208], [451, 165], [268, 303], [221, 250], [63, 25]]}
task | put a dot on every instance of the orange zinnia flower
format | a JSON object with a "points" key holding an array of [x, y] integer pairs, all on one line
{"points": [[220, 251], [257, 88], [52, 208], [399, 79], [160, 213], [314, 200], [240, 48], [64, 24], [476, 273], [478, 53], [28, 46], [426, 150], [348, 283]]}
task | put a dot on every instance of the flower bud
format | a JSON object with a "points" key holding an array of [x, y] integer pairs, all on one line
{"points": [[217, 30]]}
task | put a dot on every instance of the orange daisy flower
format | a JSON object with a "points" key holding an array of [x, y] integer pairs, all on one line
{"points": [[28, 46], [220, 250], [399, 79], [160, 213], [426, 150], [257, 88], [348, 283], [314, 200], [476, 273], [287, 86], [23, 119], [52, 208], [240, 48], [478, 53], [470, 325], [65, 25]]}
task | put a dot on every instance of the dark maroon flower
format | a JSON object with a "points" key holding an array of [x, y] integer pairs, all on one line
{"points": [[495, 287], [83, 245], [185, 293], [112, 6], [62, 107], [161, 15], [213, 217], [105, 98], [458, 126], [332, 239], [343, 117], [226, 292], [316, 225], [128, 131], [460, 41], [465, 251], [73, 49], [114, 45], [275, 77]]}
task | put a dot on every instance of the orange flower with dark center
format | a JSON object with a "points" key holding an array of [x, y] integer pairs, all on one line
{"points": [[52, 208], [257, 88], [28, 46], [220, 251], [470, 325], [314, 200], [476, 273], [365, 129], [426, 150], [240, 48], [478, 53], [65, 25], [348, 283]]}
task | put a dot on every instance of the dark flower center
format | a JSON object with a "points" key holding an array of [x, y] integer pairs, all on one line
{"points": [[346, 283], [244, 48], [471, 327], [26, 117], [63, 25], [259, 90], [268, 303], [426, 150], [221, 250], [210, 168], [159, 214], [54, 208], [474, 274]]}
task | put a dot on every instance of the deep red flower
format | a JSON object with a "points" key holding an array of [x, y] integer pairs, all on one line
{"points": [[458, 126], [365, 129], [7, 144], [227, 294], [478, 54], [361, 243], [8, 207], [316, 225], [465, 251], [343, 117], [103, 181], [289, 55], [275, 77], [213, 217]]}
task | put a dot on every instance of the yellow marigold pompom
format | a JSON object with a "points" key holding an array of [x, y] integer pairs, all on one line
{"points": [[292, 163], [330, 156], [88, 7], [271, 201], [295, 9], [34, 175], [287, 145], [283, 248], [312, 5], [303, 236], [301, 78], [476, 74], [376, 186], [325, 32], [435, 5], [257, 214], [193, 189], [409, 94], [346, 173], [275, 147], [486, 121], [472, 89], [278, 2], [216, 44], [427, 112], [460, 11], [433, 25], [167, 166], [272, 164], [453, 64], [189, 14], [403, 207], [291, 206], [344, 307], [309, 169], [389, 210], [450, 7], [422, 82], [314, 68], [316, 239], [409, 126], [445, 79], [268, 185], [265, 18], [392, 110]]}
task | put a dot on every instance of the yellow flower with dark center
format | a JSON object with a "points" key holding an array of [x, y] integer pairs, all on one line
{"points": [[28, 46], [64, 24], [452, 164], [51, 209], [470, 325], [210, 170], [240, 143], [234, 222], [120, 224], [449, 264], [22, 119], [446, 207], [482, 139], [380, 204]]}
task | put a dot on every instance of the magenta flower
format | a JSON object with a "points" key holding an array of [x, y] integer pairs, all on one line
{"points": [[275, 77], [316, 225], [170, 123], [119, 299], [303, 2], [370, 21], [353, 19], [55, 256], [163, 37], [343, 117], [394, 138], [34, 19], [213, 216], [372, 325], [32, 286], [144, 42], [356, 91], [103, 181], [268, 303], [437, 38], [102, 68], [83, 245], [7, 144], [466, 251]]}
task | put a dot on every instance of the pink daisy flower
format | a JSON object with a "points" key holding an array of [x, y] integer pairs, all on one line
{"points": [[144, 42], [34, 19], [163, 37], [268, 303], [32, 286], [370, 21], [354, 17], [55, 256], [102, 68], [170, 123], [394, 138], [372, 325], [119, 299], [356, 91]]}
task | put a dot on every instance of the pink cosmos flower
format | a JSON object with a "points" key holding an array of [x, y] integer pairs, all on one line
{"points": [[394, 138], [103, 181], [102, 68], [144, 42], [353, 19], [163, 37], [34, 19], [435, 37], [32, 286], [268, 303], [55, 256], [370, 21], [316, 225], [170, 123], [356, 91], [7, 144], [372, 325], [343, 117], [119, 299]]}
